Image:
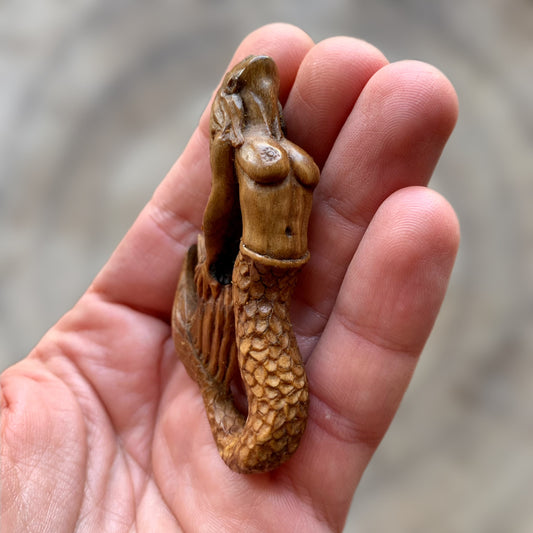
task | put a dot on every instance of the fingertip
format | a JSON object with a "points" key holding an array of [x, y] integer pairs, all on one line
{"points": [[422, 217], [350, 49], [285, 43], [329, 81], [419, 89], [406, 257], [438, 90]]}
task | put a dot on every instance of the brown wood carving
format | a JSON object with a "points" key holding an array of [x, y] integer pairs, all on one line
{"points": [[231, 310]]}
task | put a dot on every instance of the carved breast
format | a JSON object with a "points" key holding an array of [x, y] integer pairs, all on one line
{"points": [[268, 161]]}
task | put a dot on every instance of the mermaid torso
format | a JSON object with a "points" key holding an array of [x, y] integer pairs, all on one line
{"points": [[284, 176]]}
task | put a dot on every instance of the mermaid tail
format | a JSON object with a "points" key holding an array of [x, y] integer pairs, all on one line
{"points": [[219, 328]]}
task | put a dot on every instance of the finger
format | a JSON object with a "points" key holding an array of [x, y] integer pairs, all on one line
{"points": [[143, 271], [329, 81], [363, 363], [392, 139]]}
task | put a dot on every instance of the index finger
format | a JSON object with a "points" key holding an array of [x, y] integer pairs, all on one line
{"points": [[143, 271]]}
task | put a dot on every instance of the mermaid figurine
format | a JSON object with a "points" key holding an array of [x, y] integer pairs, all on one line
{"points": [[231, 309]]}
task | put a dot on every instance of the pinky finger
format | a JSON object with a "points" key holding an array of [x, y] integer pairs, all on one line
{"points": [[383, 315]]}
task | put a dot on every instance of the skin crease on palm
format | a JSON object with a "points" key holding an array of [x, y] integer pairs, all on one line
{"points": [[103, 430]]}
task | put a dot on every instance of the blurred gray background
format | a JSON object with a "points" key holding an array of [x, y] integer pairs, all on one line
{"points": [[97, 100]]}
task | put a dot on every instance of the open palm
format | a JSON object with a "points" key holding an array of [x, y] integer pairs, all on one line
{"points": [[102, 428]]}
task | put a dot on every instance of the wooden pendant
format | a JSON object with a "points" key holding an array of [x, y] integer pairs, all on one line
{"points": [[231, 309]]}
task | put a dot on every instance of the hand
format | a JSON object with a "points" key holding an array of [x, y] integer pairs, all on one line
{"points": [[103, 430]]}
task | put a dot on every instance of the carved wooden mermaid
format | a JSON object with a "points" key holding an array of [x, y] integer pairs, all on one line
{"points": [[231, 311]]}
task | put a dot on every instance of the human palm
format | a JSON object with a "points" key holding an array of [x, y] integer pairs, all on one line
{"points": [[102, 428]]}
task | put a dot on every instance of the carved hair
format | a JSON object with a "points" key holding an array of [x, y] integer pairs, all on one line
{"points": [[228, 113]]}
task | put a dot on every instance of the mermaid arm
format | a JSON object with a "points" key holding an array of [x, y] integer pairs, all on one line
{"points": [[222, 224]]}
